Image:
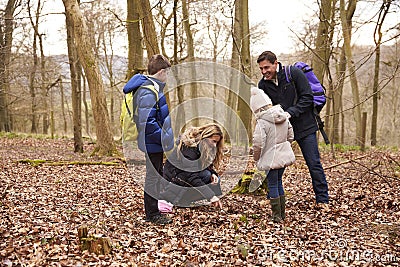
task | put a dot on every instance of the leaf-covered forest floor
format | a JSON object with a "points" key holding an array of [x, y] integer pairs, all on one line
{"points": [[42, 205]]}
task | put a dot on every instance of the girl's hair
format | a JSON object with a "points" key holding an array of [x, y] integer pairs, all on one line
{"points": [[196, 136]]}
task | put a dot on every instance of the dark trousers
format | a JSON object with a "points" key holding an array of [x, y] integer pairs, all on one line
{"points": [[183, 195], [309, 148], [154, 169]]}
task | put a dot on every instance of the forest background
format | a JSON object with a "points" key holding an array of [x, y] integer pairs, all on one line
{"points": [[108, 41]]}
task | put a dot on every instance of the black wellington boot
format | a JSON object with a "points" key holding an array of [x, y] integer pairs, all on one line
{"points": [[276, 209], [282, 200]]}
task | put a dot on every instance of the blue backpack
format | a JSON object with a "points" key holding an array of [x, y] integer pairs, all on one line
{"points": [[318, 91]]}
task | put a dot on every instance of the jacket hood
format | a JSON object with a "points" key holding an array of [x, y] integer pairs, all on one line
{"points": [[134, 83], [274, 114]]}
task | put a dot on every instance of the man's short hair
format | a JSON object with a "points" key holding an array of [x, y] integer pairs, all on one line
{"points": [[156, 63], [267, 55]]}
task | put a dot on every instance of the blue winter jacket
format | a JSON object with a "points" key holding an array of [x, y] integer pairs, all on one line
{"points": [[152, 119]]}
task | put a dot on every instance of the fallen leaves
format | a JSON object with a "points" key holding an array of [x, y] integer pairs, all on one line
{"points": [[43, 206]]}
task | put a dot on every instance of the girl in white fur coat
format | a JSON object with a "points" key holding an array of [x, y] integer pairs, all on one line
{"points": [[272, 150]]}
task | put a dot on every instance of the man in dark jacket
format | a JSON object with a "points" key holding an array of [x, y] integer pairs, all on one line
{"points": [[296, 99], [155, 133]]}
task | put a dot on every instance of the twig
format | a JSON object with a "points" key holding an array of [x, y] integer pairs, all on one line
{"points": [[36, 162], [390, 157], [344, 162], [3, 195], [371, 171]]}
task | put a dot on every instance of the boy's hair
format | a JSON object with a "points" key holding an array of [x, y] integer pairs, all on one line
{"points": [[156, 63], [196, 135], [267, 55]]}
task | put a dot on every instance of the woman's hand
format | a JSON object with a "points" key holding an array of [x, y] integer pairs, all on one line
{"points": [[216, 202], [214, 179]]}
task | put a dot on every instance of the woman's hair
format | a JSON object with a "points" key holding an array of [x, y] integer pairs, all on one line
{"points": [[197, 136], [156, 63]]}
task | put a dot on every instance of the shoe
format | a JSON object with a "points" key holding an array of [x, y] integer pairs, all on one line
{"points": [[165, 206], [159, 219], [323, 207]]}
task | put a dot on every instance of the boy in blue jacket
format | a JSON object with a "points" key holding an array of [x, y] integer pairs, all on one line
{"points": [[155, 133]]}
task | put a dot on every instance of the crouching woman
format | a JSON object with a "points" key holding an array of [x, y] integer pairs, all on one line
{"points": [[191, 168]]}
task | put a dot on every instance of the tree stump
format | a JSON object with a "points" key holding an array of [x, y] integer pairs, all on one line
{"points": [[98, 245]]}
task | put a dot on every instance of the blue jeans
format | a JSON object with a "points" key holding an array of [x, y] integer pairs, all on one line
{"points": [[274, 179], [309, 148]]}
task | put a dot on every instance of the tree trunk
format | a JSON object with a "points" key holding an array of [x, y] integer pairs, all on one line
{"points": [[245, 63], [346, 16], [109, 58], [135, 51], [105, 142], [320, 61], [180, 121], [235, 67], [394, 103], [337, 100], [43, 85], [82, 86], [149, 32], [75, 86], [191, 58], [374, 119], [32, 74], [65, 125], [5, 55], [378, 40], [42, 101]]}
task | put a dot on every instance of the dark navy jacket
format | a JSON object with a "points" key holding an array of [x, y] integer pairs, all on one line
{"points": [[186, 171], [187, 168], [152, 120], [298, 101]]}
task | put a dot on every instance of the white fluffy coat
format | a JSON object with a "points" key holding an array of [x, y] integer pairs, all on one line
{"points": [[271, 139]]}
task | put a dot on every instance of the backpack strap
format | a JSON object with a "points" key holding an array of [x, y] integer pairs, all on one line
{"points": [[155, 84], [289, 79], [155, 88], [305, 68], [127, 107], [288, 73], [151, 88], [155, 91]]}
